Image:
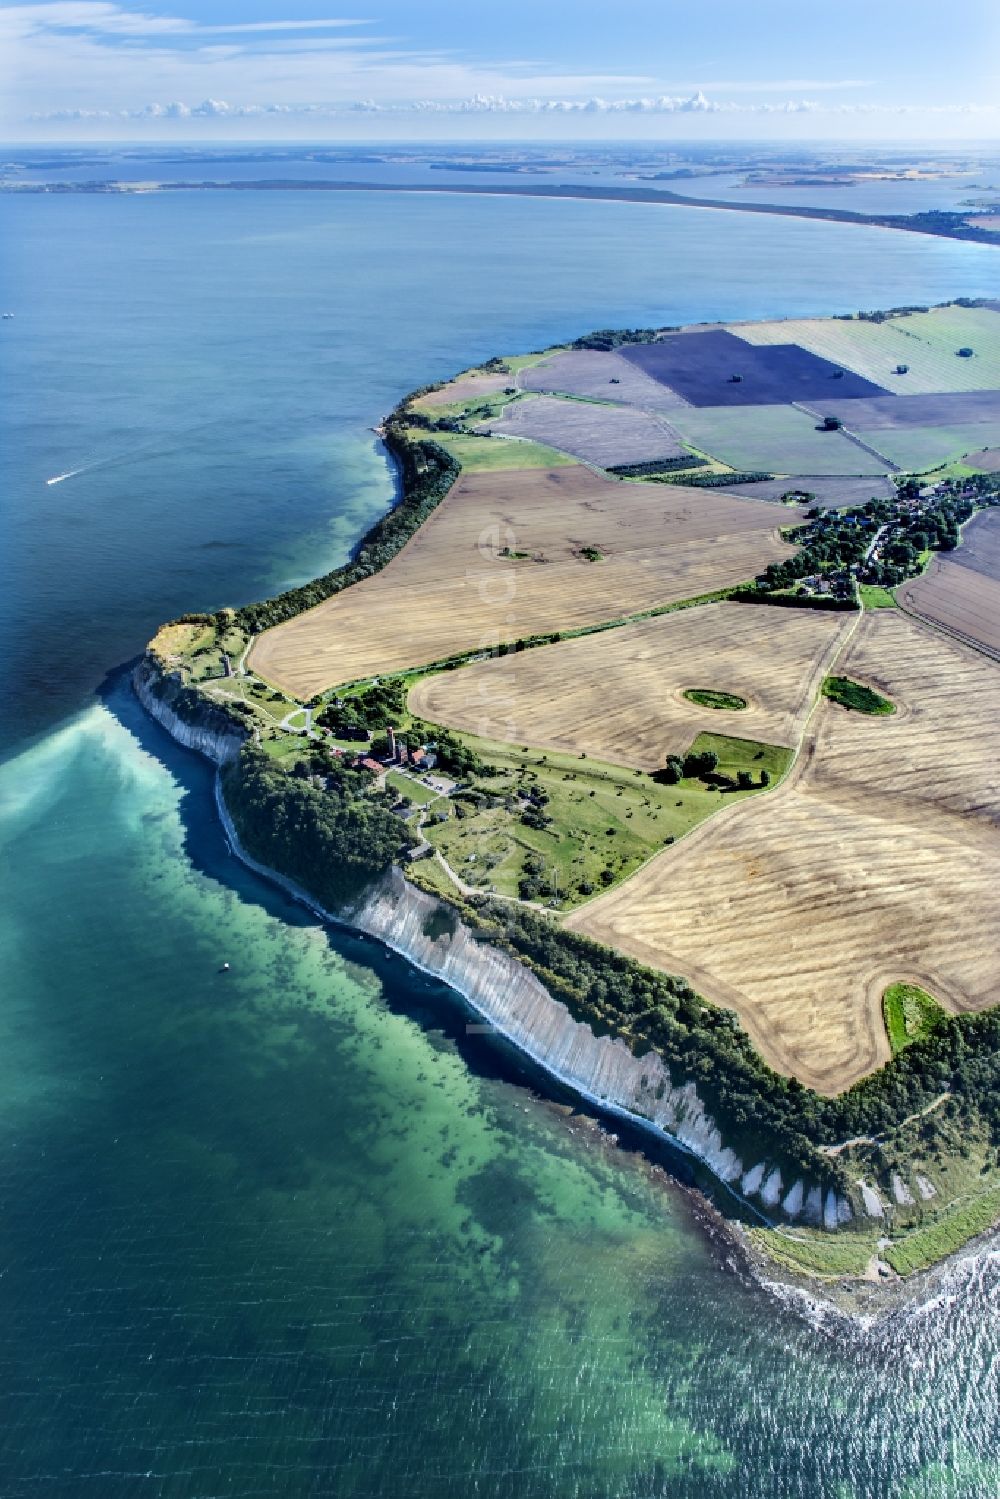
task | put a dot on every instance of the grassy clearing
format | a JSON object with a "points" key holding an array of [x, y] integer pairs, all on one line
{"points": [[873, 596], [409, 786], [856, 697], [590, 824], [428, 874], [829, 1256], [481, 454], [707, 697], [925, 1246], [744, 754], [284, 748], [515, 362], [832, 1256], [910, 1015]]}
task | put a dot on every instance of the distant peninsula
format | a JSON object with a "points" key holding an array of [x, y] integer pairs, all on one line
{"points": [[944, 223]]}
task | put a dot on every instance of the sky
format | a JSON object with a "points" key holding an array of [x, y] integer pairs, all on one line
{"points": [[526, 70]]}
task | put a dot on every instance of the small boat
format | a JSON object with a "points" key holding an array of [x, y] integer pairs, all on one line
{"points": [[224, 968]]}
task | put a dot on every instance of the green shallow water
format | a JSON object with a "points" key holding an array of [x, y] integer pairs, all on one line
{"points": [[288, 1230], [291, 1230]]}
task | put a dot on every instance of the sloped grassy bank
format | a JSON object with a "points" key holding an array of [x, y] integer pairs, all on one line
{"points": [[635, 1039]]}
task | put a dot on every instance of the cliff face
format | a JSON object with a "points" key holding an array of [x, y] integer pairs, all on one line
{"points": [[601, 1069], [505, 992], [188, 717]]}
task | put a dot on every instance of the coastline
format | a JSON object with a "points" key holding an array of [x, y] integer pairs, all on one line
{"points": [[821, 1301], [933, 226], [353, 921], [513, 978]]}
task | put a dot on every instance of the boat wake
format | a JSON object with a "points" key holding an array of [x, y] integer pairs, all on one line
{"points": [[157, 448]]}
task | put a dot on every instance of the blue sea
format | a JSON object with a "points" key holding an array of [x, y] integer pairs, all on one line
{"points": [[289, 1230]]}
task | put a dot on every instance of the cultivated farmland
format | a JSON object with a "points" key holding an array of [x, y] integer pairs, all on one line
{"points": [[961, 590], [828, 491], [926, 342], [772, 658], [987, 461], [944, 409], [596, 433], [918, 449], [772, 439], [877, 860], [503, 556], [469, 387], [701, 366], [602, 376]]}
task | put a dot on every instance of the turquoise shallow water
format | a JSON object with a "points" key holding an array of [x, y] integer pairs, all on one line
{"points": [[289, 1231]]}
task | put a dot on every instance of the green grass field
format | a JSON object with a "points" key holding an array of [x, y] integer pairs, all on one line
{"points": [[479, 453], [829, 1256], [406, 785], [919, 449], [707, 697], [515, 362], [910, 1014], [858, 698], [606, 820], [950, 1231], [771, 439], [875, 597]]}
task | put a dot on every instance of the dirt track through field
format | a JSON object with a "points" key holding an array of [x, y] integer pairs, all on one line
{"points": [[878, 859], [452, 588]]}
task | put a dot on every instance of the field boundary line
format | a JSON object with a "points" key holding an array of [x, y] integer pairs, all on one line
{"points": [[852, 436]]}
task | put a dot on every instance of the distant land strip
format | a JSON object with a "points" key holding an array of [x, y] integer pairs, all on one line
{"points": [[936, 221]]}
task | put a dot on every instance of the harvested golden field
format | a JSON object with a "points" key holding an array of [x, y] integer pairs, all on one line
{"points": [[772, 658], [961, 590], [468, 387], [924, 341], [877, 859], [502, 557]]}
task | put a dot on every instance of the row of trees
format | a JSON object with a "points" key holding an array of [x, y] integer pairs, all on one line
{"points": [[427, 473], [768, 1114], [613, 338]]}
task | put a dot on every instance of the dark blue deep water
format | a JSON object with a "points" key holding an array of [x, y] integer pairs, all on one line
{"points": [[290, 1232]]}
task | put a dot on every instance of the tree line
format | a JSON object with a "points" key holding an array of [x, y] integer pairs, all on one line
{"points": [[427, 473]]}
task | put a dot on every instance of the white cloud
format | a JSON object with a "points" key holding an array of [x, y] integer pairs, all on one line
{"points": [[113, 20], [498, 104], [96, 60]]}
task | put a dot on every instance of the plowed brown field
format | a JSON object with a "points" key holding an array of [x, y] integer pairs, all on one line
{"points": [[452, 588], [877, 859], [773, 658]]}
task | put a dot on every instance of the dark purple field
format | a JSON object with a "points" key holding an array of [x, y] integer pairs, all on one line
{"points": [[700, 367]]}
